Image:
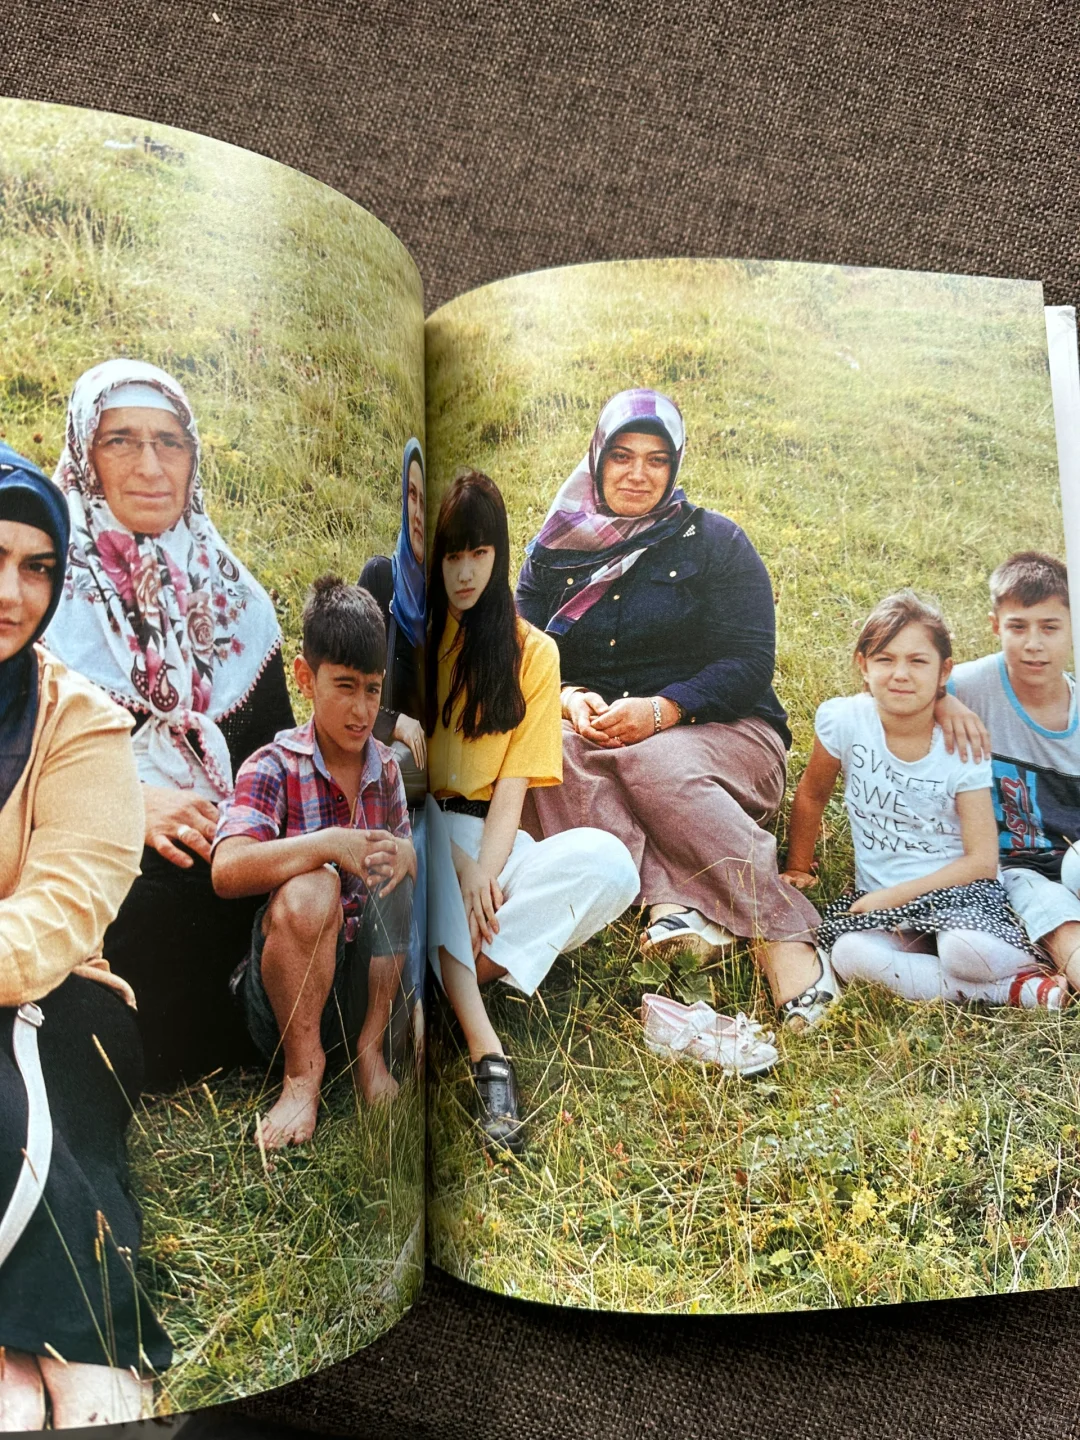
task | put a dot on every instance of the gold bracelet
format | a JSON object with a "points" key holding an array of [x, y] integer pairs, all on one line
{"points": [[657, 717]]}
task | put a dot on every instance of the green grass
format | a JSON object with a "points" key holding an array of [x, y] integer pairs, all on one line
{"points": [[869, 430], [294, 322], [265, 1272]]}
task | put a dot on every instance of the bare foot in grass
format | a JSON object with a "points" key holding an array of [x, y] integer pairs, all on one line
{"points": [[291, 1120], [377, 1085]]}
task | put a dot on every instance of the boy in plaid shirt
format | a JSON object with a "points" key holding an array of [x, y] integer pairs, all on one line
{"points": [[318, 819]]}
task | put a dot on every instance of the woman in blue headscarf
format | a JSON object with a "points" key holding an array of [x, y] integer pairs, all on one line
{"points": [[74, 1326], [399, 586]]}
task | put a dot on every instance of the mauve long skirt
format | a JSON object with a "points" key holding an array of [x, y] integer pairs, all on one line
{"points": [[690, 805], [69, 1283]]}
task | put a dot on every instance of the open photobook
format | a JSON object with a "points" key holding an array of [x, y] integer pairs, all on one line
{"points": [[580, 788]]}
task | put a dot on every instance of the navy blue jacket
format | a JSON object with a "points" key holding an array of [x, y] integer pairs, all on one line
{"points": [[693, 619]]}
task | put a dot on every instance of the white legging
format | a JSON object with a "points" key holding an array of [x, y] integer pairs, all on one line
{"points": [[959, 965]]}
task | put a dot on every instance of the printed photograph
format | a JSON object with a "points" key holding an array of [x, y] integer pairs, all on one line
{"points": [[755, 773], [212, 1114]]}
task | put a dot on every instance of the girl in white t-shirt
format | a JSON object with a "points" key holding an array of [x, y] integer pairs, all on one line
{"points": [[928, 917]]}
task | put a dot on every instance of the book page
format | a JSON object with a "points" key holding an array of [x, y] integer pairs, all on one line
{"points": [[211, 398], [776, 994]]}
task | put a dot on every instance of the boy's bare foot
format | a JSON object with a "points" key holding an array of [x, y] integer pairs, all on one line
{"points": [[377, 1085], [291, 1120]]}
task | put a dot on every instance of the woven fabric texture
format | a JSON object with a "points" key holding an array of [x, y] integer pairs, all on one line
{"points": [[499, 138]]}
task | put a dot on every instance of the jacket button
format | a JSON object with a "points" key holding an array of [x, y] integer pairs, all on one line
{"points": [[673, 573], [626, 694], [612, 641], [693, 719], [614, 597], [570, 580]]}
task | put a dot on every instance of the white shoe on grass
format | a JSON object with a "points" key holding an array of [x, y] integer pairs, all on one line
{"points": [[696, 1032]]}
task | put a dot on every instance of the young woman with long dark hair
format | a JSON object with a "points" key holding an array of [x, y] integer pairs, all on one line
{"points": [[502, 905]]}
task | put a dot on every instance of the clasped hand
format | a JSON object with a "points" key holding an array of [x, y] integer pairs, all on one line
{"points": [[624, 722], [380, 859]]}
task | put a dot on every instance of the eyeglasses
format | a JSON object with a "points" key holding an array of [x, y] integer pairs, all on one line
{"points": [[167, 449]]}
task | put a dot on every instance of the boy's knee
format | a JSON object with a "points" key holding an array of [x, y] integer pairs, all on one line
{"points": [[307, 905], [1063, 942]]}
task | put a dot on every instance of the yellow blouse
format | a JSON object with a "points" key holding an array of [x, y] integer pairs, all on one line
{"points": [[533, 750]]}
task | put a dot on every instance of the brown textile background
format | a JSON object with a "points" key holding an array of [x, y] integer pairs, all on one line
{"points": [[493, 138]]}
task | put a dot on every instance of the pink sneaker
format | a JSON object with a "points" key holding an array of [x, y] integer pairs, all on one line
{"points": [[697, 1032], [1036, 990]]}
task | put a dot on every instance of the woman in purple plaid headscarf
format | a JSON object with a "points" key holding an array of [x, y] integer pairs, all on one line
{"points": [[672, 736]]}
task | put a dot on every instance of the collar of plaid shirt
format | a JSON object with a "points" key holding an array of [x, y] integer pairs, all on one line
{"points": [[304, 741]]}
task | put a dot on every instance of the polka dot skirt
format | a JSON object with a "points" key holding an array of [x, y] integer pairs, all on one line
{"points": [[981, 905]]}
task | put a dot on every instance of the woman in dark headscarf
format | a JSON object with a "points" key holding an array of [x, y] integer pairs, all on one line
{"points": [[398, 583], [673, 738], [75, 1330]]}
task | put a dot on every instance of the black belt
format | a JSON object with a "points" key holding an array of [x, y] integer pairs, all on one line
{"points": [[458, 805]]}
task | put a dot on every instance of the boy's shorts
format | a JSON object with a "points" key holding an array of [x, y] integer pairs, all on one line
{"points": [[383, 930], [1042, 904]]}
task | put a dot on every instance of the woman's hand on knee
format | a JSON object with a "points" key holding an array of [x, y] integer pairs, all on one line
{"points": [[177, 815], [581, 708]]}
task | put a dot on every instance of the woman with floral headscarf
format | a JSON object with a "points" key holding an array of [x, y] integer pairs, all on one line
{"points": [[77, 1336], [159, 613], [673, 738]]}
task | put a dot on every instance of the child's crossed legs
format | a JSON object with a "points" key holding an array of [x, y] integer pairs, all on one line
{"points": [[957, 965]]}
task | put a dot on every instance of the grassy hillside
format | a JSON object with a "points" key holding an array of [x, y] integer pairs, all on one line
{"points": [[294, 322], [869, 430]]}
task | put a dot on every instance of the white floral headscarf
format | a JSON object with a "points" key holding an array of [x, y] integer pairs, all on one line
{"points": [[171, 625]]}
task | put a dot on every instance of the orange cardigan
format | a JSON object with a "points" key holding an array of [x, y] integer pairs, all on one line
{"points": [[71, 839]]}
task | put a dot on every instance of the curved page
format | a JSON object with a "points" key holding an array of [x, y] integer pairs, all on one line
{"points": [[221, 363], [839, 1072]]}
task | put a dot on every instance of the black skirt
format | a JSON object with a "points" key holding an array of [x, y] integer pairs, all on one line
{"points": [[176, 944], [980, 905], [69, 1285]]}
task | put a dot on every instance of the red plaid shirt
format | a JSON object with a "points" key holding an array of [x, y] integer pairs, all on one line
{"points": [[285, 789]]}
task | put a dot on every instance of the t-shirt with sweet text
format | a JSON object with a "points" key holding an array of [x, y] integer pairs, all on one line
{"points": [[1036, 771], [904, 821]]}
